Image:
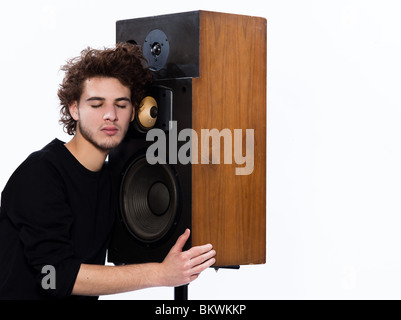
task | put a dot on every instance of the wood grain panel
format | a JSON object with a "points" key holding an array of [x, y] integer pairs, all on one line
{"points": [[229, 210]]}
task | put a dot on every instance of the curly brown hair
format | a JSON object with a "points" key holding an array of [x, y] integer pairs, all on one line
{"points": [[124, 62]]}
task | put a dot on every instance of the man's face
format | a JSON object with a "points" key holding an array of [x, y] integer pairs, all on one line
{"points": [[103, 112]]}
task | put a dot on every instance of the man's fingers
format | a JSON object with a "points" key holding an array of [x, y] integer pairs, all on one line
{"points": [[194, 277], [202, 258], [184, 267], [199, 250], [202, 267], [181, 241]]}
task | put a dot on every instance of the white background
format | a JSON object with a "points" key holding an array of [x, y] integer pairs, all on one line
{"points": [[334, 155]]}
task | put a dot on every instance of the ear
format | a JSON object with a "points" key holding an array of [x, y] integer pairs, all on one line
{"points": [[74, 110], [133, 114]]}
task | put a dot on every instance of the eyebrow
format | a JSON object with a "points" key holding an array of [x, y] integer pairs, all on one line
{"points": [[123, 99], [103, 99]]}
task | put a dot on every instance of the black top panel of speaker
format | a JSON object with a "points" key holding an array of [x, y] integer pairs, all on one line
{"points": [[170, 43]]}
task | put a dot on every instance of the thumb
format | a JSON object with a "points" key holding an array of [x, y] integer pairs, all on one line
{"points": [[179, 245]]}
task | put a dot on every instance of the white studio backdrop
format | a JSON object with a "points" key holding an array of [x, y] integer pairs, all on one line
{"points": [[334, 131]]}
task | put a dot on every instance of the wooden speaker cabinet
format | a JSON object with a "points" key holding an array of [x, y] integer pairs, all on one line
{"points": [[209, 73]]}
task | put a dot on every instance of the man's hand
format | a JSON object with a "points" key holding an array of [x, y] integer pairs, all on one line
{"points": [[178, 268], [182, 267]]}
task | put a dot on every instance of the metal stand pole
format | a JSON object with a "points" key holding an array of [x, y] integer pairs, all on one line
{"points": [[181, 293]]}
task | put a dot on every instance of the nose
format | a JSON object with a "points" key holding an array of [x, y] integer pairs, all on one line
{"points": [[110, 113]]}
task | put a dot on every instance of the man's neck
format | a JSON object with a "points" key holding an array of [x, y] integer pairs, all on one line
{"points": [[86, 153]]}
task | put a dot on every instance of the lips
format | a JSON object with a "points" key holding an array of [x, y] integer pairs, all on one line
{"points": [[110, 130]]}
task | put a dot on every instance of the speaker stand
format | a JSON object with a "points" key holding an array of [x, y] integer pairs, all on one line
{"points": [[181, 293]]}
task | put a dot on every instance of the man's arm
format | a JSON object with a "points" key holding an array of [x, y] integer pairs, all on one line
{"points": [[178, 268]]}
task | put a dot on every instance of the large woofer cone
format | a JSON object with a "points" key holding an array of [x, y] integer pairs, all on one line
{"points": [[149, 200]]}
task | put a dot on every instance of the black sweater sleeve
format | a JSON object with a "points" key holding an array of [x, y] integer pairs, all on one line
{"points": [[38, 208]]}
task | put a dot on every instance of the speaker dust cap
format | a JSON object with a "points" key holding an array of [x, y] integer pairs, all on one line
{"points": [[147, 113], [149, 200]]}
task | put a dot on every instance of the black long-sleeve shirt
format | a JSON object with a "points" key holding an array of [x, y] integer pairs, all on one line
{"points": [[54, 212]]}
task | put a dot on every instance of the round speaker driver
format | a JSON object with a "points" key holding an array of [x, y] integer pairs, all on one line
{"points": [[156, 49], [149, 200]]}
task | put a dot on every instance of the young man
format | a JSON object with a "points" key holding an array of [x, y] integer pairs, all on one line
{"points": [[57, 209]]}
